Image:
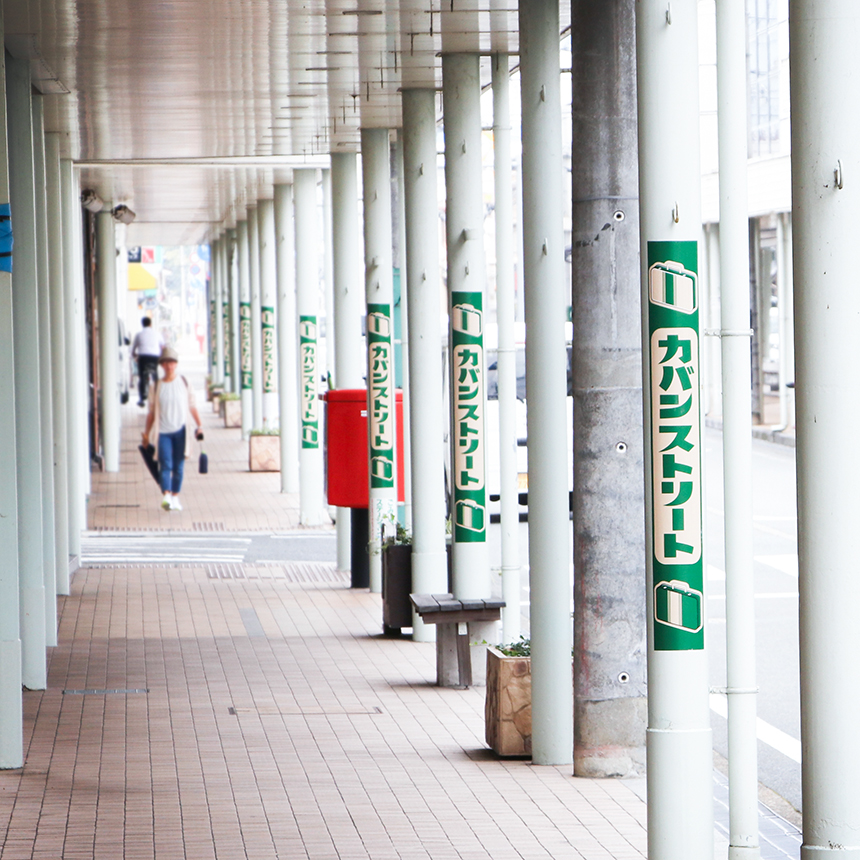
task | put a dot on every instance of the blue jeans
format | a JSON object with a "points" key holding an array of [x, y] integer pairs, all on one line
{"points": [[171, 460]]}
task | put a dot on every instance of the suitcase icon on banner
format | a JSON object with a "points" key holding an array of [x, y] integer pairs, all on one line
{"points": [[672, 286], [378, 324], [470, 515], [677, 605], [382, 467], [467, 319], [308, 330]]}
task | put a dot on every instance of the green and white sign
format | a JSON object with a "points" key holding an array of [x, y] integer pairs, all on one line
{"points": [[467, 385], [225, 316], [245, 344], [381, 396], [308, 370], [676, 459], [268, 317], [213, 329]]}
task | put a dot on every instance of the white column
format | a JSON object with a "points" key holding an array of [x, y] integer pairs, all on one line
{"points": [[75, 402], [235, 351], [785, 302], [679, 731], [46, 386], [268, 302], [225, 244], [466, 280], [507, 351], [288, 394], [108, 344], [825, 147], [60, 372], [737, 432], [25, 308], [348, 303], [246, 366], [546, 300], [256, 316], [11, 714], [424, 284], [379, 290], [217, 297], [311, 502]]}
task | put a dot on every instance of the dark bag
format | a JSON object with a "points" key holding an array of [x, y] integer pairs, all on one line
{"points": [[148, 454], [203, 463]]}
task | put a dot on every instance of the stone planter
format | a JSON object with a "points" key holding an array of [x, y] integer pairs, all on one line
{"points": [[231, 412], [264, 453], [508, 704]]}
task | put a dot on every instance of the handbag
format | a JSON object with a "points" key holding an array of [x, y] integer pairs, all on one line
{"points": [[203, 459]]}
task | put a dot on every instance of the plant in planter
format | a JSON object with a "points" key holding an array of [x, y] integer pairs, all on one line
{"points": [[508, 702], [396, 581], [264, 450], [231, 409]]}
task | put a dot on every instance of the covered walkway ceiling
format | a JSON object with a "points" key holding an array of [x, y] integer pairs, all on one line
{"points": [[137, 83]]}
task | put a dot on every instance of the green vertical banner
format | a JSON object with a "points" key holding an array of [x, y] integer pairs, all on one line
{"points": [[381, 396], [467, 386], [676, 456], [213, 329], [225, 316], [308, 370], [268, 317], [245, 344]]}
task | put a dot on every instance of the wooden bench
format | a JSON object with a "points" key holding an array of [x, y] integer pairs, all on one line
{"points": [[446, 609]]}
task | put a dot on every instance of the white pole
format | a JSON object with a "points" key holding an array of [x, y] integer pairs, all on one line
{"points": [[546, 300], [424, 284], [379, 290], [25, 307], [218, 300], [108, 346], [288, 396], [680, 817], [466, 282], [825, 147], [11, 701], [328, 275], [737, 432], [403, 264], [268, 301], [235, 348], [245, 350], [75, 401], [46, 385], [785, 304], [348, 304], [225, 244], [507, 352], [311, 503], [60, 376], [256, 315]]}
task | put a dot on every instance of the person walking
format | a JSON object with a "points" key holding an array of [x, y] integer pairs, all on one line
{"points": [[146, 348], [170, 407]]}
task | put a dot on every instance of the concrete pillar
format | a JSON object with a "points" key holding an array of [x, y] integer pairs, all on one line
{"points": [[74, 395], [60, 370], [256, 316], [268, 302], [546, 383], [11, 714], [311, 501], [108, 345], [288, 394], [217, 297], [507, 350], [348, 302], [225, 310], [25, 309], [737, 434], [246, 367], [825, 146], [235, 354], [679, 743], [379, 289], [610, 690], [46, 386], [424, 284]]}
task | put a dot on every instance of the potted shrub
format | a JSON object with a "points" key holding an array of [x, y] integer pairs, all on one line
{"points": [[264, 450], [231, 409], [396, 581], [508, 702]]}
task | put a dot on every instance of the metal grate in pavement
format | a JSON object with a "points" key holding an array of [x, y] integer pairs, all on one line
{"points": [[299, 572], [97, 692], [208, 527]]}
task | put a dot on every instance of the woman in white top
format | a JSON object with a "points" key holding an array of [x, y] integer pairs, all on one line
{"points": [[169, 410]]}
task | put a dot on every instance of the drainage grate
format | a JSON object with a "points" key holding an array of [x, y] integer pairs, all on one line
{"points": [[94, 692], [208, 527], [299, 573], [117, 506]]}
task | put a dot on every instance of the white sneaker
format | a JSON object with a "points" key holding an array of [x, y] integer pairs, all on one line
{"points": [[166, 503], [175, 504]]}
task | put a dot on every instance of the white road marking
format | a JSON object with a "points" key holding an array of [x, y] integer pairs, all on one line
{"points": [[766, 733]]}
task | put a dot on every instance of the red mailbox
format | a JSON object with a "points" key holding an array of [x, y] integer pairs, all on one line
{"points": [[347, 455]]}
